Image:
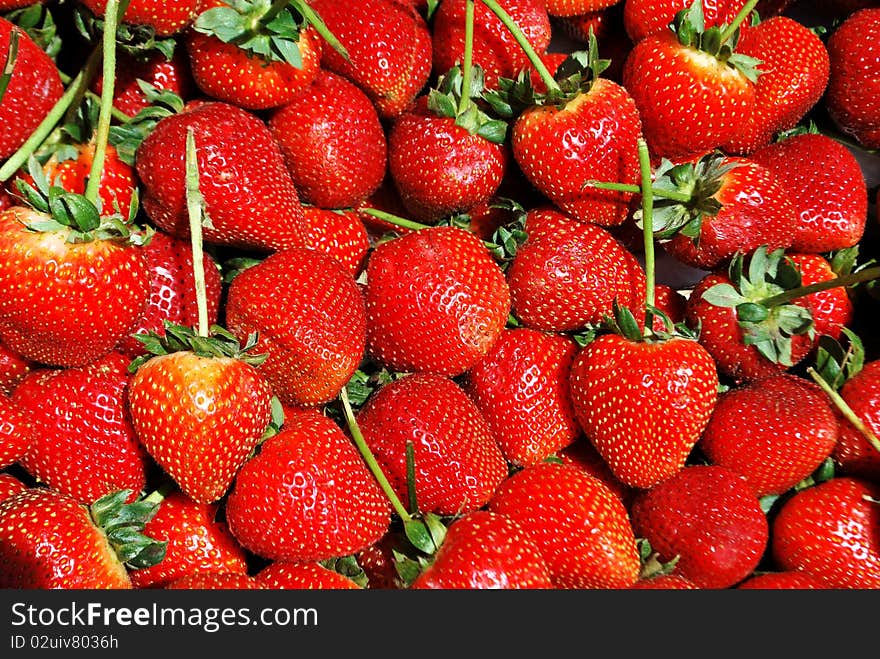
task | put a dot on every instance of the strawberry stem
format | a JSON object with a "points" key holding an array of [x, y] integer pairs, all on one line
{"points": [[845, 409], [195, 210], [9, 64], [851, 279], [674, 195], [394, 219], [467, 68], [118, 114], [647, 231], [737, 21]]}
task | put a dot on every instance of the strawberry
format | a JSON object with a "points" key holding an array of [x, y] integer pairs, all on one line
{"points": [[287, 575], [644, 17], [16, 432], [833, 309], [339, 233], [435, 300], [10, 486], [576, 7], [486, 550], [13, 368], [792, 580], [581, 528], [199, 407], [628, 394], [332, 141], [671, 581], [34, 87], [92, 452], [307, 496], [774, 432], [854, 454], [239, 162], [568, 274], [521, 387], [708, 517], [196, 542], [458, 463], [50, 541], [253, 54], [213, 581], [388, 43], [166, 18], [854, 81], [608, 27], [830, 531], [308, 313], [825, 182], [671, 73], [582, 454]]}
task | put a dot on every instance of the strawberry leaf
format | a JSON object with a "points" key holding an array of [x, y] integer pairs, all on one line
{"points": [[123, 524]]}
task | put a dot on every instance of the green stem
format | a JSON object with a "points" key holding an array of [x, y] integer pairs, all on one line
{"points": [[467, 67], [161, 493], [394, 219], [517, 33], [647, 231], [118, 114], [672, 195], [851, 279], [370, 459], [737, 21], [845, 409], [9, 64], [195, 210]]}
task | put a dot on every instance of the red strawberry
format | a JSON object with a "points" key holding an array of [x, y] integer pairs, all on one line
{"points": [[13, 368], [458, 463], [389, 49], [340, 234], [309, 316], [199, 407], [287, 575], [436, 301], [644, 17], [707, 517], [775, 432], [830, 531], [568, 274], [521, 387], [10, 486], [16, 432], [854, 82], [246, 55], [576, 7], [671, 581], [629, 395], [332, 141], [34, 87], [583, 455], [197, 542], [93, 451], [853, 452], [49, 541], [581, 528], [213, 581], [825, 182], [239, 162], [167, 17], [795, 580], [832, 309], [307, 496], [486, 550]]}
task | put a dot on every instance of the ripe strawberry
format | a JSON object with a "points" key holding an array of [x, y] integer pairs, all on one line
{"points": [[581, 528], [213, 581], [644, 17], [93, 451], [199, 407], [854, 454], [671, 73], [486, 550], [13, 368], [458, 463], [34, 87], [854, 81], [794, 580], [16, 432], [568, 274], [239, 162], [10, 486], [707, 517], [774, 432], [825, 182], [340, 234], [49, 541], [253, 54], [307, 496], [832, 309], [332, 141], [167, 17], [389, 49], [576, 7], [521, 387], [308, 313], [287, 575], [436, 301], [830, 531], [628, 396], [583, 455], [196, 542]]}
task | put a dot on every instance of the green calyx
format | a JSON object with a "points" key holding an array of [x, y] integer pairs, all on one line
{"points": [[127, 136], [450, 99], [623, 322], [179, 338], [134, 40], [769, 327], [37, 21], [123, 524], [839, 361]]}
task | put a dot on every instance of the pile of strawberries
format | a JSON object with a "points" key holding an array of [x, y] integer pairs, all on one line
{"points": [[445, 294]]}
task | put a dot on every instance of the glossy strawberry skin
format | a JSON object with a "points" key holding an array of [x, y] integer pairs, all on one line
{"points": [[199, 418], [628, 398], [830, 531], [307, 496], [833, 309], [581, 527], [789, 580], [10, 486], [853, 453], [333, 142], [16, 432], [48, 541], [309, 314], [775, 432], [238, 161], [213, 581], [436, 301], [485, 550], [458, 463], [340, 234], [644, 17], [707, 516], [521, 387], [77, 300], [288, 575], [166, 18], [13, 368]]}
